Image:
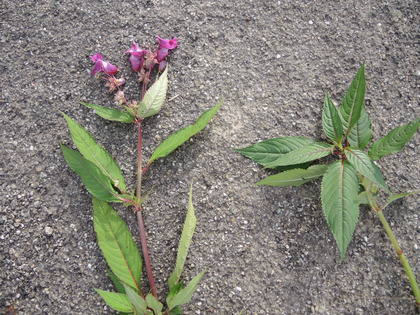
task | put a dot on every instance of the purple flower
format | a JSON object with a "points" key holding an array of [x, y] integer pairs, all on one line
{"points": [[164, 46], [102, 66], [136, 56]]}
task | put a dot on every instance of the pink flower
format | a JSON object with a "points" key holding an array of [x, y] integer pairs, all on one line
{"points": [[164, 46], [136, 56], [102, 66]]}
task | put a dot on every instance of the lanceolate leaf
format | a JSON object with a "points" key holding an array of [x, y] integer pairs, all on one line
{"points": [[395, 197], [307, 153], [154, 97], [352, 102], [179, 137], [184, 243], [294, 177], [331, 121], [361, 161], [267, 151], [111, 113], [136, 300], [154, 304], [340, 202], [95, 153], [95, 181], [394, 141], [361, 133], [116, 243], [118, 301], [116, 281], [184, 296]]}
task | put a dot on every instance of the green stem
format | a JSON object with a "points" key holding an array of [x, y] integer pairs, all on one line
{"points": [[374, 206]]}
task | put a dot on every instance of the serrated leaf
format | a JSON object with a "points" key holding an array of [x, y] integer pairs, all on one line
{"points": [[118, 285], [295, 177], [340, 201], [267, 151], [111, 113], [184, 243], [117, 244], [154, 304], [118, 301], [94, 180], [185, 295], [394, 141], [398, 196], [361, 133], [154, 97], [331, 121], [365, 166], [307, 153], [95, 153], [352, 102], [178, 138], [136, 300]]}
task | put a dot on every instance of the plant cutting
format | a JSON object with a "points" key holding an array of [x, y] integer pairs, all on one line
{"points": [[353, 178], [104, 179]]}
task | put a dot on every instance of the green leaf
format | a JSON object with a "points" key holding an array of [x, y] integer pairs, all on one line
{"points": [[295, 177], [304, 154], [118, 301], [340, 202], [136, 300], [116, 281], [394, 141], [352, 103], [331, 121], [184, 243], [395, 197], [154, 97], [154, 304], [363, 198], [185, 295], [267, 151], [95, 181], [95, 153], [361, 134], [175, 311], [116, 243], [179, 137], [365, 166], [111, 113]]}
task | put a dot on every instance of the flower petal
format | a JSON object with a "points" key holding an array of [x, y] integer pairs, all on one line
{"points": [[168, 43]]}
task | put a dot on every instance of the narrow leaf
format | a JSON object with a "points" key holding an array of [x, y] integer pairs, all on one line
{"points": [[95, 181], [154, 304], [136, 300], [295, 177], [352, 103], [184, 243], [307, 153], [395, 197], [331, 121], [179, 137], [361, 133], [116, 281], [95, 153], [340, 202], [267, 151], [118, 301], [116, 243], [185, 295], [154, 97], [365, 166], [394, 141], [111, 113]]}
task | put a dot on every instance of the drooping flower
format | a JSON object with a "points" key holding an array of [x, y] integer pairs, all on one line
{"points": [[102, 66], [164, 46], [136, 56]]}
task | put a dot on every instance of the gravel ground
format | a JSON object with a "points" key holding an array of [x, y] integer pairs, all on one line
{"points": [[268, 250]]}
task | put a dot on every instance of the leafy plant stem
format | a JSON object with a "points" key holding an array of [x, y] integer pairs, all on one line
{"points": [[140, 221], [374, 206]]}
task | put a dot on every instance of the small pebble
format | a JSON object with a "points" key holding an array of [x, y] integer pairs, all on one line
{"points": [[48, 230]]}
